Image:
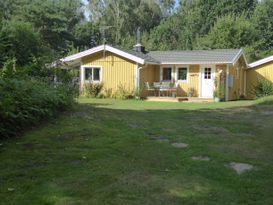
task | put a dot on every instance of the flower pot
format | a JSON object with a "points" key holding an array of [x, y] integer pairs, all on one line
{"points": [[216, 99]]}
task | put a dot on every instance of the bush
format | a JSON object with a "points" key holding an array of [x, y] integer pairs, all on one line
{"points": [[23, 103], [123, 93], [263, 88], [92, 89]]}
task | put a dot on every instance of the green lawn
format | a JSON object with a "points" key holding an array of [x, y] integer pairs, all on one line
{"points": [[105, 152]]}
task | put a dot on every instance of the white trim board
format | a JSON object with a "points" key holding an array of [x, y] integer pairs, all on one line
{"points": [[260, 62], [101, 48], [83, 67]]}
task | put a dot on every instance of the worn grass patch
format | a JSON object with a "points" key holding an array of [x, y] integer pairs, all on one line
{"points": [[120, 152]]}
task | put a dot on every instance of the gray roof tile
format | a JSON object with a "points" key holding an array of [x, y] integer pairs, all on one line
{"points": [[188, 56], [196, 56]]}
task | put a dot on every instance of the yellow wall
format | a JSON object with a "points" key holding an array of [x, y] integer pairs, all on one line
{"points": [[116, 71], [263, 71], [238, 79], [151, 74], [191, 84]]}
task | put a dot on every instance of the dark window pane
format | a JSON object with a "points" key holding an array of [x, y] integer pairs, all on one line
{"points": [[167, 73], [88, 73], [96, 74], [182, 73]]}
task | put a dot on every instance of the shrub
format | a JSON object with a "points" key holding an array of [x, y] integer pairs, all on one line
{"points": [[24, 103], [123, 93], [92, 89], [263, 88]]}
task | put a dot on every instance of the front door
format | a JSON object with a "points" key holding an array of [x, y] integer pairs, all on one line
{"points": [[207, 82]]}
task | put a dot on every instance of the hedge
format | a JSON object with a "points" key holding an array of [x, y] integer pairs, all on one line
{"points": [[24, 103]]}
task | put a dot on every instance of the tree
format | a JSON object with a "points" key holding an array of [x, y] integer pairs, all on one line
{"points": [[124, 17], [54, 19], [87, 35], [263, 23], [19, 40], [229, 32]]}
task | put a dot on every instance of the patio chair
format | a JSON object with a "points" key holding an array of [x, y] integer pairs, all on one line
{"points": [[149, 88]]}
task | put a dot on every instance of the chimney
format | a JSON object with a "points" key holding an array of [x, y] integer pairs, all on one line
{"points": [[139, 47]]}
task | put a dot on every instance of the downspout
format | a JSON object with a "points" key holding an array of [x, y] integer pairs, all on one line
{"points": [[227, 79], [137, 83], [138, 68], [81, 78], [245, 82]]}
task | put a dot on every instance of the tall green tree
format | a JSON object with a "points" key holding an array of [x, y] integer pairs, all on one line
{"points": [[54, 19], [123, 17], [263, 23], [229, 32], [19, 41]]}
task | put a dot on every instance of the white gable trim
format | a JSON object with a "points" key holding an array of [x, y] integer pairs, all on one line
{"points": [[261, 62], [236, 58], [101, 48]]}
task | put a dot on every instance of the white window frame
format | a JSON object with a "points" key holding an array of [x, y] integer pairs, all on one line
{"points": [[172, 73], [177, 73], [92, 66]]}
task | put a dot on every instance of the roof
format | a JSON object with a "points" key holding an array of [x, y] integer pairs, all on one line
{"points": [[218, 56], [261, 62], [77, 57]]}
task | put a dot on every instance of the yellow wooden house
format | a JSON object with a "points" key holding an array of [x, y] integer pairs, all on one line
{"points": [[262, 69], [192, 73]]}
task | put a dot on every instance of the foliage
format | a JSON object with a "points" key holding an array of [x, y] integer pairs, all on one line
{"points": [[121, 18], [263, 23], [263, 88], [229, 32], [123, 93], [219, 87], [92, 89], [24, 103], [9, 69], [20, 41]]}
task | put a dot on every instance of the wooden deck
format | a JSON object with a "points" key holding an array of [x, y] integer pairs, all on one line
{"points": [[179, 99]]}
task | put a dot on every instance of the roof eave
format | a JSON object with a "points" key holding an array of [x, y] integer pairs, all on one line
{"points": [[194, 63], [260, 62], [101, 48], [236, 58]]}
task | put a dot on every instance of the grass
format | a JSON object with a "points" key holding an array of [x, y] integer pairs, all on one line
{"points": [[101, 152]]}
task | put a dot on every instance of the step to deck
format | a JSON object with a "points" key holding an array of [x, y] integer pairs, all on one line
{"points": [[179, 99]]}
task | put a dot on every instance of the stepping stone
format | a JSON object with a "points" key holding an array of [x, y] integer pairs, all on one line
{"points": [[179, 145], [201, 158], [240, 167], [159, 139]]}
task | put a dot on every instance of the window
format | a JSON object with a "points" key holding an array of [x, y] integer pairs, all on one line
{"points": [[182, 74], [92, 74], [167, 74], [207, 73]]}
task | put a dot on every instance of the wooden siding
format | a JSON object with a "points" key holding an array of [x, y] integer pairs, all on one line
{"points": [[192, 82], [237, 88], [116, 71], [264, 71], [151, 73]]}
